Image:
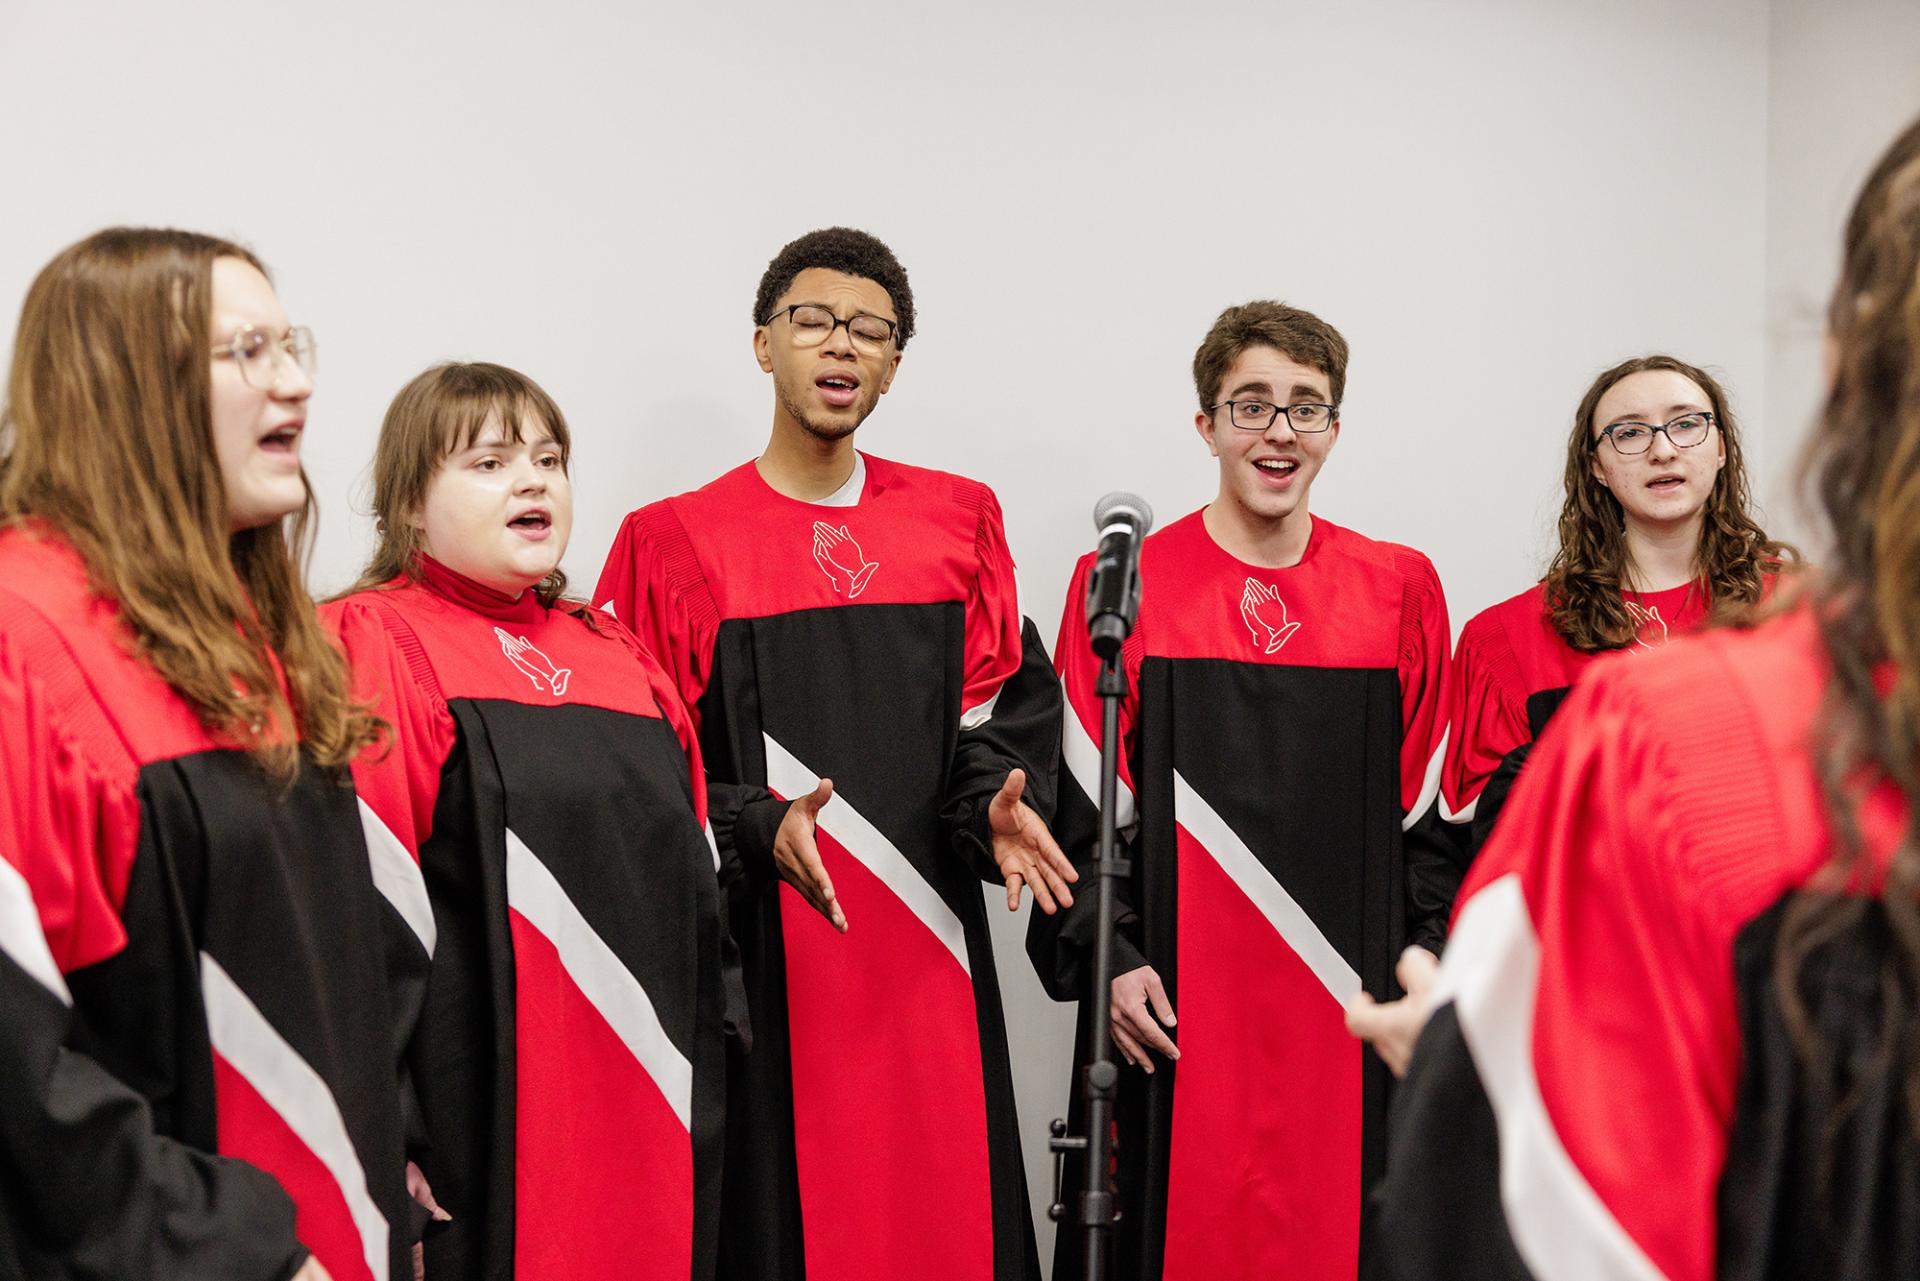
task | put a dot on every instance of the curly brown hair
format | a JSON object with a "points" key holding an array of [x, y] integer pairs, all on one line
{"points": [[1866, 460], [1589, 569], [107, 438]]}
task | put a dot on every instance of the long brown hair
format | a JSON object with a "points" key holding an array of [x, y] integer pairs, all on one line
{"points": [[1590, 568], [440, 413], [1866, 459], [107, 438]]}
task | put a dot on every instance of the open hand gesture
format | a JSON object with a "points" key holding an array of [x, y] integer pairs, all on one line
{"points": [[797, 855], [1025, 850], [841, 559], [1266, 615]]}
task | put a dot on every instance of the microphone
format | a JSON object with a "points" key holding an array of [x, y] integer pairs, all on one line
{"points": [[1113, 588]]}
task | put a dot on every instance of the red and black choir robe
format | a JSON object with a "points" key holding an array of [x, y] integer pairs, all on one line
{"points": [[197, 1073], [1280, 756], [1607, 1088], [1511, 672], [877, 643], [541, 814]]}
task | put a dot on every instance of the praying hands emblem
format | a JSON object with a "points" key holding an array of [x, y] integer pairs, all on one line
{"points": [[533, 664], [1265, 615], [1650, 628], [841, 559]]}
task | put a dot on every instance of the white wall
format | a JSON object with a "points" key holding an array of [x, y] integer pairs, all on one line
{"points": [[1492, 200], [1843, 79]]}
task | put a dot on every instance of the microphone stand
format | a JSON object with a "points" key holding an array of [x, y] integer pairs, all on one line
{"points": [[1099, 1208]]}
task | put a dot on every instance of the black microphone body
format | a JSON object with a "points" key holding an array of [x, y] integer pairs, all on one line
{"points": [[1113, 588]]}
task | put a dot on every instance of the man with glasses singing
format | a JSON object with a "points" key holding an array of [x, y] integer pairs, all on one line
{"points": [[1279, 767], [834, 616]]}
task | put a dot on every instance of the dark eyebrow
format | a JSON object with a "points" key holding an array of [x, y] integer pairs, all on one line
{"points": [[1672, 411], [1302, 391], [1261, 386], [836, 315]]}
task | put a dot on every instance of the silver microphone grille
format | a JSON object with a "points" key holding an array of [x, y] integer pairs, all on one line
{"points": [[1123, 506]]}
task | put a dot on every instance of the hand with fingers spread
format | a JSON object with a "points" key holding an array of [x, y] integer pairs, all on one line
{"points": [[797, 854], [841, 559], [1139, 1016], [1265, 615], [1393, 1028], [1025, 850]]}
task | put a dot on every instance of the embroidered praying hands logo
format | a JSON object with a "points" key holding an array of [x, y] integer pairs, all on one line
{"points": [[841, 560], [1652, 629], [1265, 615], [536, 666]]}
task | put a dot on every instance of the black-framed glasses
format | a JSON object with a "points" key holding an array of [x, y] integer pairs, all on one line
{"points": [[812, 324], [1258, 415], [1632, 439], [258, 354]]}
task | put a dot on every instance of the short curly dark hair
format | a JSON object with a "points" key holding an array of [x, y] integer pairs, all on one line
{"points": [[846, 250]]}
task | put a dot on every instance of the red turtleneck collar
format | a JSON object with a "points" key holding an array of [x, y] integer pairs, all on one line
{"points": [[478, 597]]}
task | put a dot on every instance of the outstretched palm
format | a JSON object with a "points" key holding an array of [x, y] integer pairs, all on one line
{"points": [[1025, 850]]}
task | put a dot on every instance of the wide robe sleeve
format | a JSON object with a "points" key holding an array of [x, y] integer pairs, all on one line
{"points": [[1570, 1097], [1434, 850], [653, 585], [1010, 703], [89, 1189]]}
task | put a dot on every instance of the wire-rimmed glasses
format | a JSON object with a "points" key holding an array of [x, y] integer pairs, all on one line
{"points": [[258, 354]]}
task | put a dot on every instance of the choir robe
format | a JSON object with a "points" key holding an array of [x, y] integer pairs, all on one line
{"points": [[197, 1073], [541, 811], [1512, 671], [1281, 743], [1607, 1087], [874, 639]]}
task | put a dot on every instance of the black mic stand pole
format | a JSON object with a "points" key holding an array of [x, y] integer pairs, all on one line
{"points": [[1100, 1086], [1124, 521], [1100, 1080]]}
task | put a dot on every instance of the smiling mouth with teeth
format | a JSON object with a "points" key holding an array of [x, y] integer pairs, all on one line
{"points": [[1280, 466]]}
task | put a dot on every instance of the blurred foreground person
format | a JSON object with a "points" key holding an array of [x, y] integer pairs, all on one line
{"points": [[1677, 1031], [197, 1075]]}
